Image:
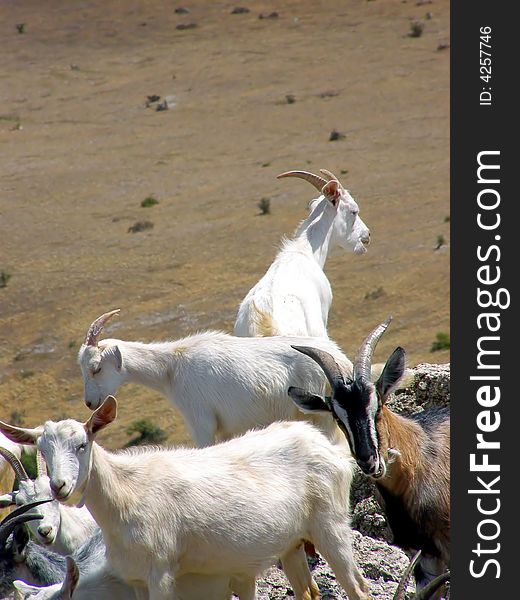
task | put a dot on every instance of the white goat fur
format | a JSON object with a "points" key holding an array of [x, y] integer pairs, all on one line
{"points": [[294, 296], [222, 385], [231, 509]]}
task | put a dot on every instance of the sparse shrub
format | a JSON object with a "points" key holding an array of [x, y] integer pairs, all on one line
{"points": [[28, 460], [416, 29], [265, 206], [447, 219], [290, 98], [148, 433], [442, 342], [440, 242], [240, 10], [266, 164], [375, 294], [336, 135], [17, 417], [21, 27], [140, 226], [149, 201], [4, 278], [72, 344]]}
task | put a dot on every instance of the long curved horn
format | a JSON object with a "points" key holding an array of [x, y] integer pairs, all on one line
{"points": [[363, 360], [15, 462], [327, 363], [41, 465], [95, 329], [330, 176], [315, 180], [18, 516], [403, 584], [7, 529]]}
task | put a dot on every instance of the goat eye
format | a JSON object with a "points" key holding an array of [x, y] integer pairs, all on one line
{"points": [[81, 447], [96, 370]]}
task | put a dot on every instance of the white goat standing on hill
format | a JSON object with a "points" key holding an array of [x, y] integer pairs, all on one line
{"points": [[232, 509], [294, 296], [223, 385], [63, 528]]}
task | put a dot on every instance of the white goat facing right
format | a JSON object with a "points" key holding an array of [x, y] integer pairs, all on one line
{"points": [[294, 296], [223, 385], [232, 509]]}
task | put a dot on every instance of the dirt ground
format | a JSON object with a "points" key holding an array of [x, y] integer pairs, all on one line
{"points": [[81, 150]]}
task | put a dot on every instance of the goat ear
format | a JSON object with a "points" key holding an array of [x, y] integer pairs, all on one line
{"points": [[113, 354], [102, 416], [21, 435], [26, 590], [307, 402], [7, 500], [332, 191], [392, 373], [71, 578]]}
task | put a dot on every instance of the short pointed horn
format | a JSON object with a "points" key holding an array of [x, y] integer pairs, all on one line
{"points": [[327, 363], [15, 463], [41, 465], [97, 326], [315, 180], [403, 584], [363, 360], [18, 516]]}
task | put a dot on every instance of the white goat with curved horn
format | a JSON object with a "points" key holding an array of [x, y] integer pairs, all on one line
{"points": [[61, 528], [294, 296], [230, 509], [223, 385]]}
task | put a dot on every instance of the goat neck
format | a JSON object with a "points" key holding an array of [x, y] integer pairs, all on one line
{"points": [[108, 493], [314, 234], [400, 442], [147, 364]]}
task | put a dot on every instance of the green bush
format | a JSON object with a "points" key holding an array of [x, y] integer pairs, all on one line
{"points": [[265, 206], [442, 342], [4, 278], [148, 433], [149, 201]]}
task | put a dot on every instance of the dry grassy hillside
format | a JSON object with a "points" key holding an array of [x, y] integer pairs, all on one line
{"points": [[81, 151]]}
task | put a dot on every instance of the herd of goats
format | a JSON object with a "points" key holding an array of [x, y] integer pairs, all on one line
{"points": [[271, 475]]}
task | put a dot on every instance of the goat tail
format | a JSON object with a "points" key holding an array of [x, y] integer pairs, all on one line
{"points": [[262, 322]]}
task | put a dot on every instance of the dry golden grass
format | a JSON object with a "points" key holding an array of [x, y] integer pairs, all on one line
{"points": [[80, 153]]}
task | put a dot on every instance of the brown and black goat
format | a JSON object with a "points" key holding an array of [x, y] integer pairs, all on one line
{"points": [[408, 458]]}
